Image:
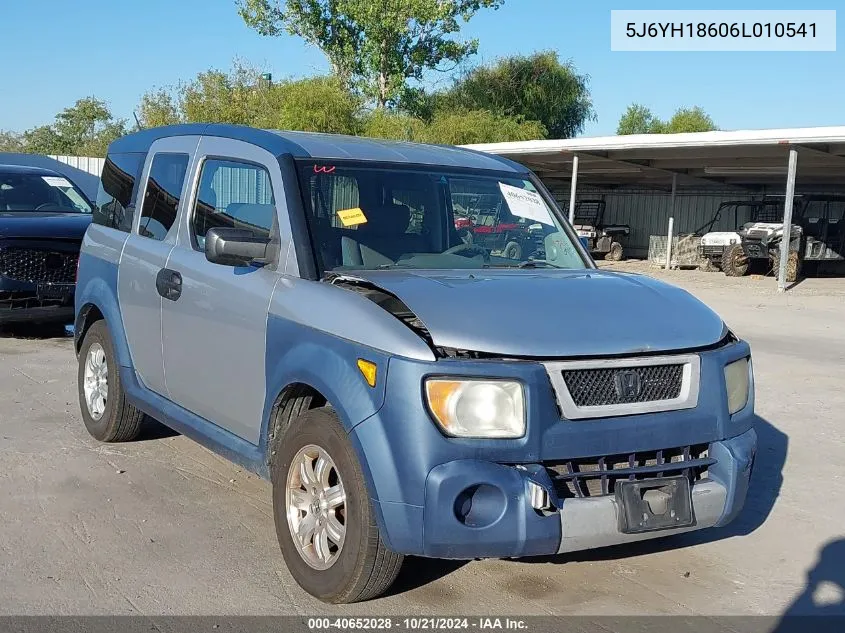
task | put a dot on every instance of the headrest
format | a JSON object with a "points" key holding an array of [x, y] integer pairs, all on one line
{"points": [[389, 219]]}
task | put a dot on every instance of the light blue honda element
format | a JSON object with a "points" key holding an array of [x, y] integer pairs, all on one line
{"points": [[334, 314]]}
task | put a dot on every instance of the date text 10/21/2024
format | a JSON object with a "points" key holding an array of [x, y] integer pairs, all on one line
{"points": [[417, 624]]}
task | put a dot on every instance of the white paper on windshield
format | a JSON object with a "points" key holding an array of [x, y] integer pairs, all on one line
{"points": [[526, 204], [56, 181]]}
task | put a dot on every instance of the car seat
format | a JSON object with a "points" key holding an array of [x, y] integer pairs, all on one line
{"points": [[385, 232]]}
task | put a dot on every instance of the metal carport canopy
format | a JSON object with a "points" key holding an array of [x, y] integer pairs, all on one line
{"points": [[749, 160]]}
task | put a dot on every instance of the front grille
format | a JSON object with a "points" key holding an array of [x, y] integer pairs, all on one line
{"points": [[711, 250], [37, 265], [755, 249], [597, 476], [622, 385]]}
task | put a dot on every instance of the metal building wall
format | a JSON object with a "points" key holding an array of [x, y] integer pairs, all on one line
{"points": [[647, 212], [93, 166], [244, 185]]}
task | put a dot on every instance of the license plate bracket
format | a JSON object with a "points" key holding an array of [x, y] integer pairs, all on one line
{"points": [[54, 292], [655, 504]]}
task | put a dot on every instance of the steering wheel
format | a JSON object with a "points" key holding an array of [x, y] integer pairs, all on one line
{"points": [[464, 247], [46, 204]]}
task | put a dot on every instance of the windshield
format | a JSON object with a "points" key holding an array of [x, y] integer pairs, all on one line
{"points": [[34, 192], [363, 218]]}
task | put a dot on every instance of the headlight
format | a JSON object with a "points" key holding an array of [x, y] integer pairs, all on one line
{"points": [[736, 382], [477, 408]]}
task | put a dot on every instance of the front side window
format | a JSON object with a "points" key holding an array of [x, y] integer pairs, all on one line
{"points": [[27, 192], [233, 194], [161, 200], [367, 218]]}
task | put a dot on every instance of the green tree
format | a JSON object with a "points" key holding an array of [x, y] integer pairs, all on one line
{"points": [[393, 125], [241, 96], [315, 104], [377, 47], [44, 140], [638, 119], [534, 87], [11, 142], [84, 129], [218, 97], [480, 126], [79, 125], [452, 128], [159, 107], [690, 120]]}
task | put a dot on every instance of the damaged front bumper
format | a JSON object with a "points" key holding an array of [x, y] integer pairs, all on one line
{"points": [[477, 509]]}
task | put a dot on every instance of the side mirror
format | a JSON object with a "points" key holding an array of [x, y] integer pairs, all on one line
{"points": [[235, 247]]}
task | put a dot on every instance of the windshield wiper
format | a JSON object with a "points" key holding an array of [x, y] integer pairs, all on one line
{"points": [[531, 263], [396, 265], [537, 263]]}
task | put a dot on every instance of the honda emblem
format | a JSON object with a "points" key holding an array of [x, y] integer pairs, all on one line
{"points": [[628, 384]]}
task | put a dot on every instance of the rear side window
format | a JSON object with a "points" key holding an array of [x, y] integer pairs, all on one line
{"points": [[233, 194], [115, 205], [161, 200]]}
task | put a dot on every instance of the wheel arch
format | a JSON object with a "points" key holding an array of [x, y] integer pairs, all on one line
{"points": [[86, 317], [292, 401], [296, 398]]}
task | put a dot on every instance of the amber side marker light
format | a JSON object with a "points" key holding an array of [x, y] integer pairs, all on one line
{"points": [[368, 371]]}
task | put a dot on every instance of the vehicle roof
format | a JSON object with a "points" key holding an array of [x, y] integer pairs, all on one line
{"points": [[27, 169], [324, 146]]}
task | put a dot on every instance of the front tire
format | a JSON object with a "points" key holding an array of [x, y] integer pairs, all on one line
{"points": [[734, 261], [513, 250], [325, 521], [793, 265], [106, 413]]}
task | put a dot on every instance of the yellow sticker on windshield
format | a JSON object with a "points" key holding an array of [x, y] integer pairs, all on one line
{"points": [[352, 217]]}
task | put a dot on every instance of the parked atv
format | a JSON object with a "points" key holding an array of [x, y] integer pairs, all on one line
{"points": [[600, 239], [499, 231], [755, 244]]}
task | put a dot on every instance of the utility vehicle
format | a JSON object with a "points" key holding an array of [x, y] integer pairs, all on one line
{"points": [[270, 295], [602, 239]]}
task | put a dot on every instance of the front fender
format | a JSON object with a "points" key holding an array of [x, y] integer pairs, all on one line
{"points": [[328, 364], [298, 354]]}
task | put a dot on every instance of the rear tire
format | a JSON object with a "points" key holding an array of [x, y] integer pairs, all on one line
{"points": [[707, 266], [361, 567], [615, 253], [106, 413], [734, 261]]}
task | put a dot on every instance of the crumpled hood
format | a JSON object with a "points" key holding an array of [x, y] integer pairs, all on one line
{"points": [[552, 313], [35, 225]]}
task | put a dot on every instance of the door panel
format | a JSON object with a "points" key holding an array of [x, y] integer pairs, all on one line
{"points": [[143, 257], [214, 334], [214, 341], [140, 306]]}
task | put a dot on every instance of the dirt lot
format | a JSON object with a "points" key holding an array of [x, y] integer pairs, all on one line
{"points": [[162, 526]]}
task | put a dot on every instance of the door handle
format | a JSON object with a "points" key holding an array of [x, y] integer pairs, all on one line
{"points": [[169, 284]]}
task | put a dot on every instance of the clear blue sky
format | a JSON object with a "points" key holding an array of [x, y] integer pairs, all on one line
{"points": [[55, 52]]}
